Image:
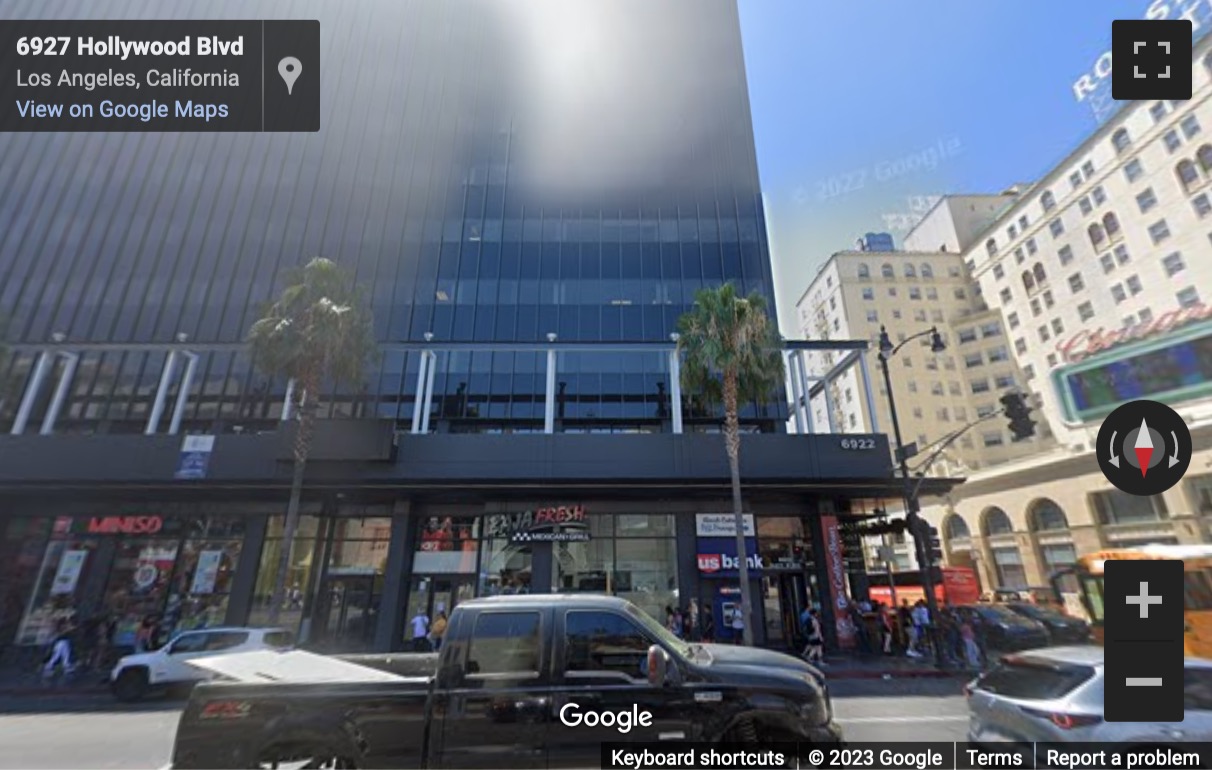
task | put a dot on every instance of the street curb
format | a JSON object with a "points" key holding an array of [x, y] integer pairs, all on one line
{"points": [[75, 692], [906, 674]]}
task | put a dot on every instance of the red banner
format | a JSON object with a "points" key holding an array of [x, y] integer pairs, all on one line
{"points": [[835, 564]]}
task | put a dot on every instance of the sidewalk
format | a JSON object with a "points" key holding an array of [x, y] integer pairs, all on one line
{"points": [[886, 667], [21, 682]]}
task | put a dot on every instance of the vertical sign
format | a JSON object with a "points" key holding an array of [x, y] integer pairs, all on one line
{"points": [[207, 572], [195, 457], [68, 574], [836, 566]]}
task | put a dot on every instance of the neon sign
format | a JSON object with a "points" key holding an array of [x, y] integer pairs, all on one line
{"points": [[1087, 343]]}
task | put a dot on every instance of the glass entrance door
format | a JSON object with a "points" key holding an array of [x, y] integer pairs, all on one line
{"points": [[430, 596], [346, 610]]}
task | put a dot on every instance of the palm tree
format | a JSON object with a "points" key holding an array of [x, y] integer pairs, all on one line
{"points": [[732, 352], [318, 329]]}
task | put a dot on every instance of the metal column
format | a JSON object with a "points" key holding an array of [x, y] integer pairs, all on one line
{"points": [[549, 402], [866, 373], [187, 382], [288, 403], [433, 368], [420, 396], [793, 370], [675, 389], [827, 384], [31, 392], [804, 389], [166, 376], [70, 362]]}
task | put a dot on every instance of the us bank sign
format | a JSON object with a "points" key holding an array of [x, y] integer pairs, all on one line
{"points": [[1094, 87]]}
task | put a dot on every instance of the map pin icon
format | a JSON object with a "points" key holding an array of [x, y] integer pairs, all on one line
{"points": [[290, 68]]}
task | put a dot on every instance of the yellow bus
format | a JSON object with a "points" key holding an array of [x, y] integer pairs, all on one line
{"points": [[1197, 567]]}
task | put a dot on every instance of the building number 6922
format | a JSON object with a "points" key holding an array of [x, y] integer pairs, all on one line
{"points": [[858, 443]]}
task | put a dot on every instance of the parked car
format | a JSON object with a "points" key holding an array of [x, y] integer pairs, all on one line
{"points": [[135, 676], [1062, 628], [1002, 630], [1056, 694], [515, 684]]}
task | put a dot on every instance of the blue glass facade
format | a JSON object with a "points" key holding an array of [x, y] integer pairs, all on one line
{"points": [[491, 172]]}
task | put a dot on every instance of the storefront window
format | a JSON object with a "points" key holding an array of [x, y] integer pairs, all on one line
{"points": [[505, 568], [302, 554], [347, 605], [22, 548], [447, 544], [1009, 565], [57, 588], [205, 570], [633, 556]]}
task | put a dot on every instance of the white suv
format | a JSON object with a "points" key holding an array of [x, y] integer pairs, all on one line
{"points": [[136, 675]]}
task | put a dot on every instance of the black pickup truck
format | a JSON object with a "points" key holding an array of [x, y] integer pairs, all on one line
{"points": [[516, 682]]}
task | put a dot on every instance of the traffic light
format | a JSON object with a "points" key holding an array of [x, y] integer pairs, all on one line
{"points": [[936, 547], [1015, 407]]}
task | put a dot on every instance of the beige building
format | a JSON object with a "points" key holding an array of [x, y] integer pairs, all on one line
{"points": [[1102, 275]]}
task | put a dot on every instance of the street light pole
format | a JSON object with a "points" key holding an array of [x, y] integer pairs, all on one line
{"points": [[915, 523]]}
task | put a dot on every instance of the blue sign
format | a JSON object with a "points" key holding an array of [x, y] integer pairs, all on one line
{"points": [[194, 460], [717, 556]]}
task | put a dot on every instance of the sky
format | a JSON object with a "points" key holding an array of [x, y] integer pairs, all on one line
{"points": [[852, 100]]}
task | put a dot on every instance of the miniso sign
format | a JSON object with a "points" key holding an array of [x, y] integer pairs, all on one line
{"points": [[721, 525]]}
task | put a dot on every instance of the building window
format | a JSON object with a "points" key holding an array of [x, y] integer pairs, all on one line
{"points": [[1036, 309], [915, 293], [1076, 283], [1012, 319], [1173, 263], [980, 386], [1004, 381], [1096, 234], [999, 272], [1065, 255], [991, 329], [887, 271], [1121, 141], [1056, 227], [1085, 205], [908, 361], [1047, 200], [919, 315], [960, 293], [992, 438], [1146, 200], [1188, 297], [891, 291], [833, 303], [936, 316], [1188, 175], [1051, 360], [1088, 169], [1146, 315], [1011, 232], [1118, 293], [1107, 261], [910, 272], [1111, 224], [1171, 140], [1201, 205], [869, 293], [1020, 346], [1115, 507], [931, 293], [1159, 231], [927, 270], [999, 354], [967, 335], [1058, 327], [936, 389], [1134, 285], [1075, 179], [863, 270], [1099, 195], [873, 316], [1085, 311], [1133, 170], [1190, 126], [1158, 111], [1044, 334], [1204, 156], [953, 387], [973, 360], [991, 247], [1031, 247], [1028, 372], [633, 556], [1121, 255]]}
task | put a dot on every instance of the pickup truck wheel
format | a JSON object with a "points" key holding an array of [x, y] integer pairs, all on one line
{"points": [[131, 685]]}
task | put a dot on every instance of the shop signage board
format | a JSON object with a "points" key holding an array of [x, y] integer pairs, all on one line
{"points": [[194, 460], [124, 525], [721, 525], [555, 524], [717, 557], [207, 572], [68, 575], [835, 565], [1086, 342]]}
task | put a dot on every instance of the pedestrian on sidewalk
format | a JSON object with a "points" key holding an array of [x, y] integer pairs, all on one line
{"points": [[420, 632], [904, 618], [971, 650], [60, 653], [814, 652], [738, 625], [886, 628]]}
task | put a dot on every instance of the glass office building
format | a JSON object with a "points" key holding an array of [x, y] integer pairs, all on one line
{"points": [[491, 172]]}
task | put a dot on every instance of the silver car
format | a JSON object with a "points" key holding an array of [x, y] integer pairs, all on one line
{"points": [[1056, 694]]}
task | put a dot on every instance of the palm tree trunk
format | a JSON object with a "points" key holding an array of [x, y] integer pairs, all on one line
{"points": [[732, 442], [291, 527]]}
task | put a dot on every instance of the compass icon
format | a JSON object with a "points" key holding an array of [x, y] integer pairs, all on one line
{"points": [[1144, 448]]}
